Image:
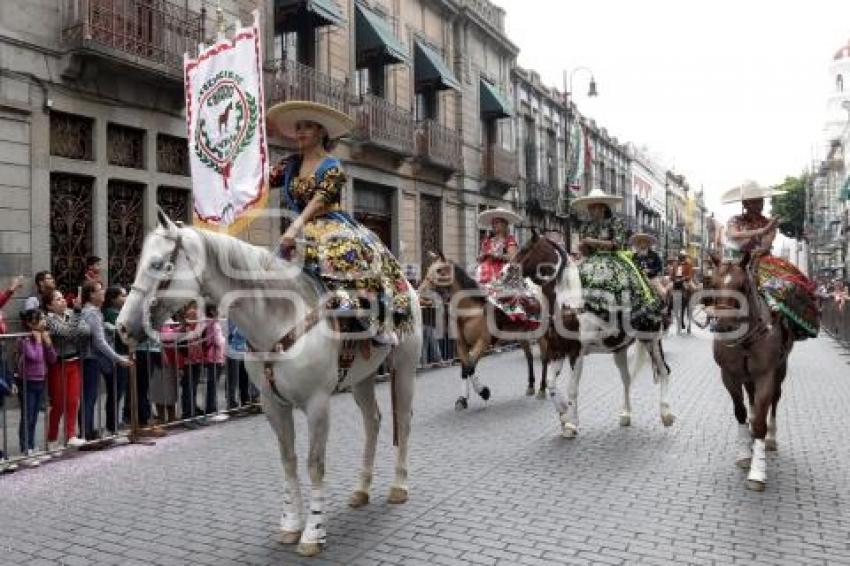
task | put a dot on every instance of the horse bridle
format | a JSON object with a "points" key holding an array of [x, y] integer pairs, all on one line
{"points": [[165, 282]]}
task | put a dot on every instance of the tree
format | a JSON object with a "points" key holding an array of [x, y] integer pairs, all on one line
{"points": [[791, 206]]}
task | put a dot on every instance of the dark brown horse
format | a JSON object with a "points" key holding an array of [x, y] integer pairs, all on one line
{"points": [[468, 314], [571, 334], [751, 346]]}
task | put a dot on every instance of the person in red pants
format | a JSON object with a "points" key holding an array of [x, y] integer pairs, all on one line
{"points": [[67, 329]]}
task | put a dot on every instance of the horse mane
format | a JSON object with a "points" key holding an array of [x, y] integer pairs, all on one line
{"points": [[463, 279], [235, 258]]}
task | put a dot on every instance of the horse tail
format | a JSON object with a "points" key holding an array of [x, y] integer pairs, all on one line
{"points": [[638, 360]]}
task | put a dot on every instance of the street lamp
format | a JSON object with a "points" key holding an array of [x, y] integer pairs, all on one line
{"points": [[592, 91]]}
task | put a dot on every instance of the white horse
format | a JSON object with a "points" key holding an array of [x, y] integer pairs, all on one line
{"points": [[262, 294], [574, 334]]}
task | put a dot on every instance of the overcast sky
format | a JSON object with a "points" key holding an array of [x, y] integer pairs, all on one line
{"points": [[725, 90]]}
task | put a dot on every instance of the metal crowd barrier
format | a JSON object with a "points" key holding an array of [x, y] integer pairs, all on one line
{"points": [[835, 320], [88, 405]]}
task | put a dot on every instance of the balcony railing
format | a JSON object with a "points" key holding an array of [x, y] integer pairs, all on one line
{"points": [[439, 145], [294, 81], [541, 197], [384, 125], [144, 32], [500, 166]]}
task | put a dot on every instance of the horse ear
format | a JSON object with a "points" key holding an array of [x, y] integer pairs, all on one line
{"points": [[164, 220], [441, 256]]}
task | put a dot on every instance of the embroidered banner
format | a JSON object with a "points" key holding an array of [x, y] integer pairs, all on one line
{"points": [[225, 115]]}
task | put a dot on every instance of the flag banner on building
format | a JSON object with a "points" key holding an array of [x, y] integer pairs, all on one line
{"points": [[227, 138], [575, 159]]}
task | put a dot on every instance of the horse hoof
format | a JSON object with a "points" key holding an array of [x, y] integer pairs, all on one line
{"points": [[485, 393], [770, 445], [397, 496], [290, 537], [744, 463], [358, 499], [569, 430], [309, 549], [755, 485], [529, 392], [461, 404], [541, 394], [625, 419], [667, 419]]}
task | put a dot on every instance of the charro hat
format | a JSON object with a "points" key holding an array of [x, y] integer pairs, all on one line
{"points": [[285, 115], [747, 191], [596, 196], [485, 219], [645, 237]]}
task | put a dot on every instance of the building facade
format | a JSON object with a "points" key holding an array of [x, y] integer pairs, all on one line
{"points": [[647, 204]]}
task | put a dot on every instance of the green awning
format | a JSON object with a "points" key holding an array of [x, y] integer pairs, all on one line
{"points": [[493, 104], [290, 15], [430, 71], [376, 43]]}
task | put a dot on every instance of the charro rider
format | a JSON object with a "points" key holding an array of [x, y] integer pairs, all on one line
{"points": [[648, 259], [783, 286], [508, 290], [607, 271], [355, 267]]}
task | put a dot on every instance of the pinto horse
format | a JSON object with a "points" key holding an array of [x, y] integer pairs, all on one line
{"points": [[468, 310], [571, 334], [751, 346]]}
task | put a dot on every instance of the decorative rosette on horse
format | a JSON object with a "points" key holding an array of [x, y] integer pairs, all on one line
{"points": [[506, 288]]}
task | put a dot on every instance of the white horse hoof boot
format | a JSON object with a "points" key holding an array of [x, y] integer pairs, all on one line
{"points": [[309, 549], [290, 537], [358, 499], [625, 419], [568, 429], [397, 496]]}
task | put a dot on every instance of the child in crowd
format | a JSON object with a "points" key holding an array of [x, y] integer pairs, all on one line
{"points": [[213, 345], [35, 354]]}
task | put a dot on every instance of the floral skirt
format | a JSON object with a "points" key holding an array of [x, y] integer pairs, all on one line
{"points": [[613, 281], [357, 269], [788, 291], [509, 293]]}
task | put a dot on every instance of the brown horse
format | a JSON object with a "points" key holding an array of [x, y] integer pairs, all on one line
{"points": [[468, 314], [571, 334], [751, 346]]}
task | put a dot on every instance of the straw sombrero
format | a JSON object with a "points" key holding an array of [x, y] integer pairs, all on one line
{"points": [[596, 196], [485, 219], [643, 236], [747, 191], [284, 116]]}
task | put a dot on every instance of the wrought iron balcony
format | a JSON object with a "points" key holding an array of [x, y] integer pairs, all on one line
{"points": [[501, 169], [541, 197], [295, 81], [439, 145], [150, 34], [384, 125]]}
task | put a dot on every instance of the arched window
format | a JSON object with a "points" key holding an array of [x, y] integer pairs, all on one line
{"points": [[839, 83]]}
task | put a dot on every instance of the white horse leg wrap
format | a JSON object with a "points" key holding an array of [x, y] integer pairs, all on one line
{"points": [[745, 443], [315, 530], [758, 466], [476, 384], [292, 520]]}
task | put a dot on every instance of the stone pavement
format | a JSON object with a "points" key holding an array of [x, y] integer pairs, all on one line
{"points": [[494, 485]]}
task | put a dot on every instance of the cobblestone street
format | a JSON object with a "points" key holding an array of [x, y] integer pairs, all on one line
{"points": [[494, 485]]}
